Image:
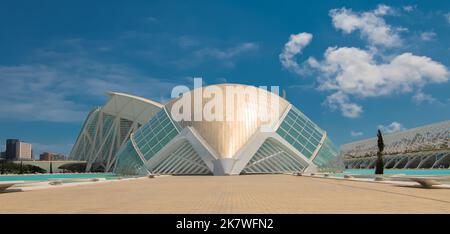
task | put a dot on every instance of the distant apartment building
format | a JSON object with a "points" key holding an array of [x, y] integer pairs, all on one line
{"points": [[48, 156], [17, 150], [10, 153], [23, 151]]}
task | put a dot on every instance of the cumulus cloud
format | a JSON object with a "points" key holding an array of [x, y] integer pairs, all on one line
{"points": [[371, 24], [428, 36], [292, 48], [421, 97], [352, 72], [383, 10], [339, 100], [355, 72], [391, 128], [356, 133]]}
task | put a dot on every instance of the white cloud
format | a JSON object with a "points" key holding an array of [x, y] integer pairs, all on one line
{"points": [[341, 101], [371, 24], [225, 56], [428, 36], [292, 48], [46, 92], [421, 97], [383, 10], [30, 94], [354, 72], [356, 133], [391, 128], [350, 72], [409, 8]]}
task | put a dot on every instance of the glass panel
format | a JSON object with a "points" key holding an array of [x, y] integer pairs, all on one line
{"points": [[302, 132], [155, 134], [129, 162], [328, 158]]}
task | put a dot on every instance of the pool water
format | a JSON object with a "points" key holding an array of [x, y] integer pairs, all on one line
{"points": [[45, 177], [429, 172]]}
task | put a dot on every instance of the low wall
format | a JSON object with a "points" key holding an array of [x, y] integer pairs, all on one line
{"points": [[46, 164]]}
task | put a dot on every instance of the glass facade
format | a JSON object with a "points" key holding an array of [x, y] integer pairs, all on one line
{"points": [[129, 162], [149, 140], [328, 157], [271, 157], [154, 135], [183, 161], [300, 132]]}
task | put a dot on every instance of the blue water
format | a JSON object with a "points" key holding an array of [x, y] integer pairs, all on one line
{"points": [[45, 177], [431, 172]]}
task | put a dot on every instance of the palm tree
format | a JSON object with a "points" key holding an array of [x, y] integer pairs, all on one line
{"points": [[379, 169]]}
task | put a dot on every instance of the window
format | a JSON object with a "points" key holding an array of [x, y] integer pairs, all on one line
{"points": [[300, 132], [156, 134]]}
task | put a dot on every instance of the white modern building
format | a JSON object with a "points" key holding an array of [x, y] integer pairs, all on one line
{"points": [[422, 147], [107, 128], [132, 135]]}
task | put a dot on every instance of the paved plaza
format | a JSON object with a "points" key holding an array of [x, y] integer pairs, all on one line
{"points": [[229, 194]]}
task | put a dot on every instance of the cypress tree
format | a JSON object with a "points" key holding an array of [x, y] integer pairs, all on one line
{"points": [[379, 168]]}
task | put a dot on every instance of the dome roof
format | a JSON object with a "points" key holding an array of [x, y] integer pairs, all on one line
{"points": [[240, 110]]}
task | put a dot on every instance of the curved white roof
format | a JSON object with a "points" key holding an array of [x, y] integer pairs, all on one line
{"points": [[110, 93]]}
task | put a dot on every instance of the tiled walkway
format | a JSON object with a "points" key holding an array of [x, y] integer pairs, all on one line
{"points": [[229, 194]]}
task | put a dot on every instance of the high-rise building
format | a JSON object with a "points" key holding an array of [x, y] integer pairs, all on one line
{"points": [[10, 153], [23, 151]]}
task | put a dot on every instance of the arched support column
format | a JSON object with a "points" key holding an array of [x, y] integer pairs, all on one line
{"points": [[412, 163], [400, 164], [427, 161], [390, 162], [443, 161]]}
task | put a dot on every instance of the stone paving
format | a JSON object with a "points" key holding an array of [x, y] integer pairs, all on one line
{"points": [[229, 194]]}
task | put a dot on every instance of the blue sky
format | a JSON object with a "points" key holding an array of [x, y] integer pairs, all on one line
{"points": [[350, 66]]}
